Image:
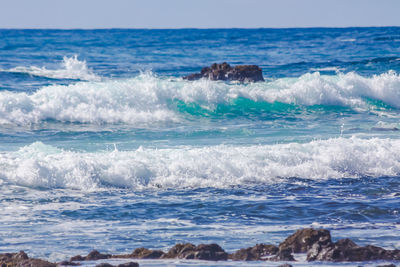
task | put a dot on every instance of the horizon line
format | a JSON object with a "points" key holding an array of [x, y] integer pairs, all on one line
{"points": [[199, 28]]}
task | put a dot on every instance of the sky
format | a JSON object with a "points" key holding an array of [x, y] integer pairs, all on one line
{"points": [[89, 14]]}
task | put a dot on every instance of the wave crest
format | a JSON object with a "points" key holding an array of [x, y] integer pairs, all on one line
{"points": [[221, 166], [71, 68], [148, 99]]}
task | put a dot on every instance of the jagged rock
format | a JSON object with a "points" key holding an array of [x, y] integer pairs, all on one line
{"points": [[92, 256], [283, 255], [258, 252], [21, 259], [144, 253], [224, 72], [302, 240], [211, 252], [347, 250]]}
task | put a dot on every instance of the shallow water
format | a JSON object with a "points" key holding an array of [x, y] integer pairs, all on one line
{"points": [[103, 145]]}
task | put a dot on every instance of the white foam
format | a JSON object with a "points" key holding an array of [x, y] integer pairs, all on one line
{"points": [[71, 68], [40, 165], [147, 98]]}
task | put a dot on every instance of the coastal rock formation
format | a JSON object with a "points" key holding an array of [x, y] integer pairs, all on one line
{"points": [[346, 250], [224, 72], [144, 253], [92, 256], [258, 252], [302, 240], [316, 243], [21, 259], [211, 252]]}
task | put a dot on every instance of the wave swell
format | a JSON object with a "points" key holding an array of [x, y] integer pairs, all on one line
{"points": [[43, 166], [148, 99]]}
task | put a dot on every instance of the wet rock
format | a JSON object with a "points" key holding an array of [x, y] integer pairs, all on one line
{"points": [[21, 259], [211, 252], [283, 255], [302, 240], [77, 258], [347, 250], [68, 263], [285, 265], [258, 252], [129, 264], [387, 265], [92, 256], [224, 72], [104, 265], [144, 253]]}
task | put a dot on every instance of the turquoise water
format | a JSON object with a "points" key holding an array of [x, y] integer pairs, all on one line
{"points": [[103, 145]]}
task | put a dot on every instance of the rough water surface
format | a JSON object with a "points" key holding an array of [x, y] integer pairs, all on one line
{"points": [[104, 146]]}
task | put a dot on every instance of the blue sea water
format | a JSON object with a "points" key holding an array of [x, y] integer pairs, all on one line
{"points": [[104, 146]]}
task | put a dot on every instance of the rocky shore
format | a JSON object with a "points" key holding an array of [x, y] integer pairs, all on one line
{"points": [[316, 243]]}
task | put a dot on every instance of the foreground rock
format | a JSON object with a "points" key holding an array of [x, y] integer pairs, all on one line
{"points": [[347, 250], [258, 252], [302, 240], [21, 259], [210, 252], [92, 256], [128, 264], [224, 72]]}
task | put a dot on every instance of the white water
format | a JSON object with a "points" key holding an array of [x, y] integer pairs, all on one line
{"points": [[71, 68], [40, 165], [147, 99]]}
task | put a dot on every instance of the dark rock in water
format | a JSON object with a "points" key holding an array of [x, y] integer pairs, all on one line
{"points": [[224, 72], [212, 252], [144, 253], [285, 265], [21, 259], [68, 263], [258, 252], [387, 265], [302, 240], [77, 258], [95, 255], [104, 265], [347, 250], [129, 264], [283, 255], [92, 256]]}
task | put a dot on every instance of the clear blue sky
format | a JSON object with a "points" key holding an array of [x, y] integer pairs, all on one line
{"points": [[197, 13]]}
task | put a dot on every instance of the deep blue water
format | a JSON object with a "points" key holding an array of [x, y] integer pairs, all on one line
{"points": [[103, 145]]}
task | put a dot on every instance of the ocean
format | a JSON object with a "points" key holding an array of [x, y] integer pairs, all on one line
{"points": [[104, 146]]}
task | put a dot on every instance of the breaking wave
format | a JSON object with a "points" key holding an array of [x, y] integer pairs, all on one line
{"points": [[43, 166], [71, 68], [147, 98]]}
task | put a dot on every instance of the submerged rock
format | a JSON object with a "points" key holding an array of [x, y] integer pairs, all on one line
{"points": [[224, 72], [302, 240], [211, 252], [258, 252]]}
